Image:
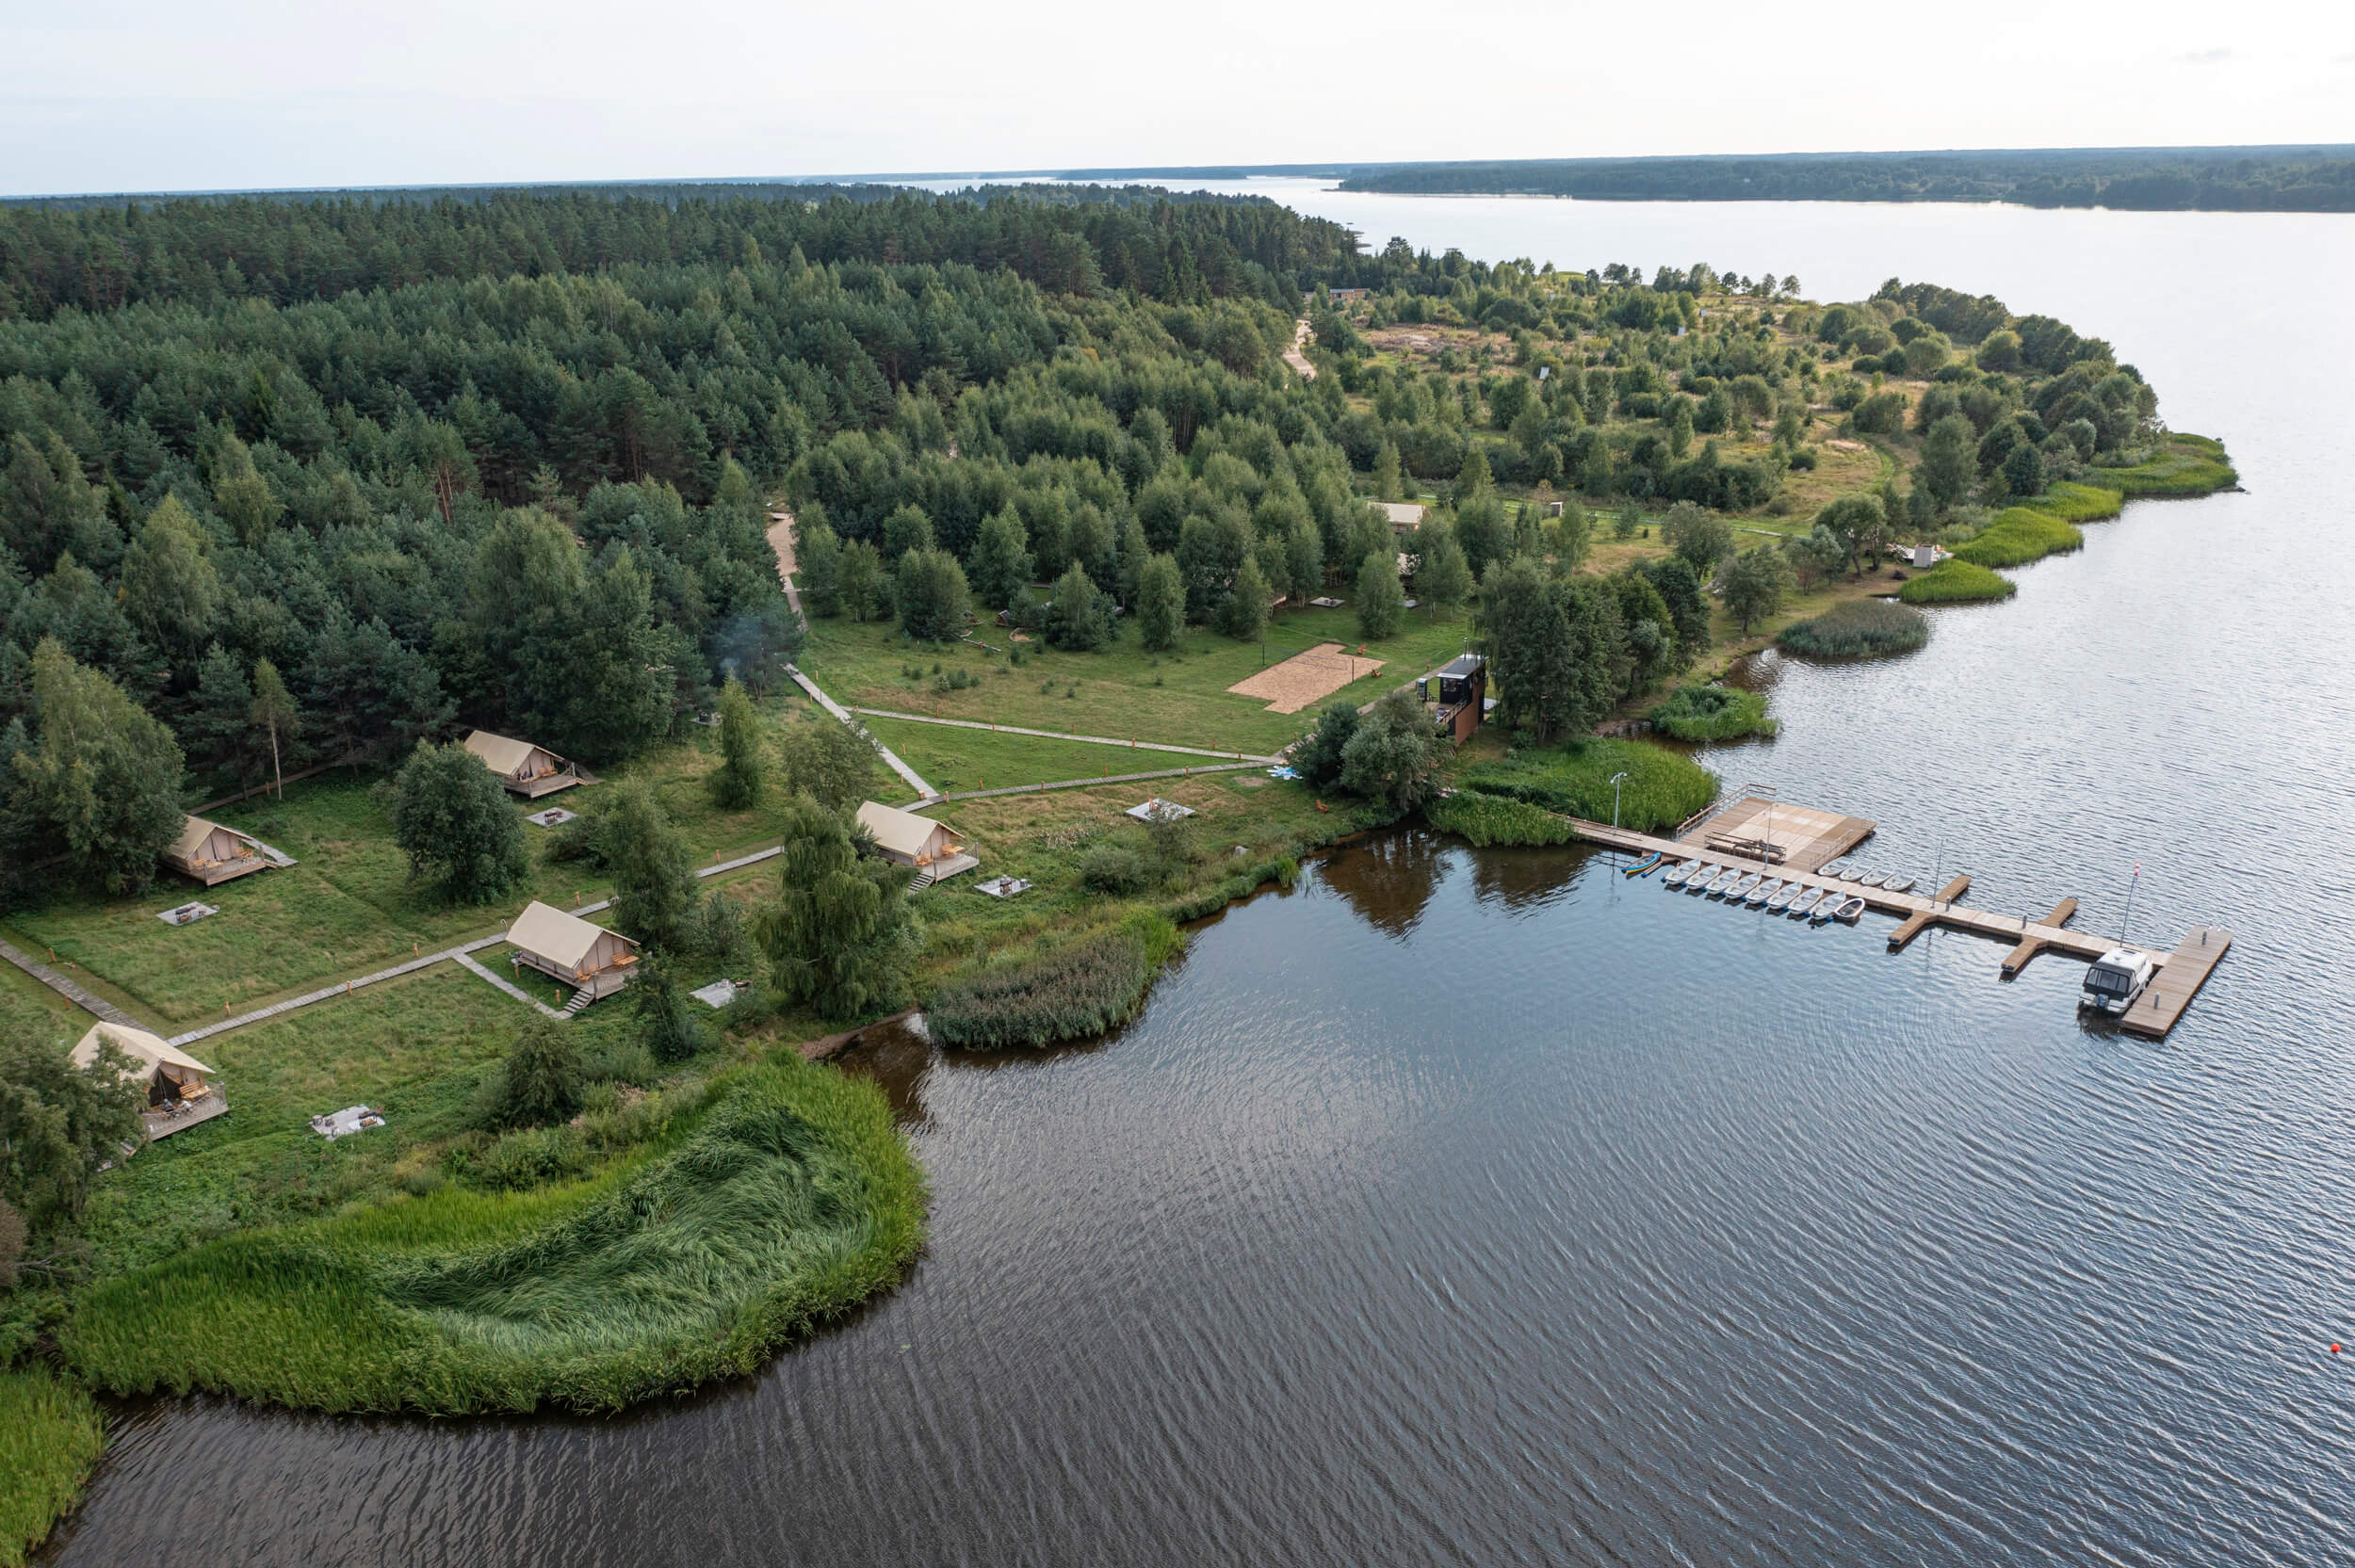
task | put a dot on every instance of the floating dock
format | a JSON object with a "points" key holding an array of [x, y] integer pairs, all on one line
{"points": [[1794, 843]]}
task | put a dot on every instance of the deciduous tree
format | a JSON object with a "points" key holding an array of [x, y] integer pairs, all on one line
{"points": [[101, 772], [451, 818], [839, 934]]}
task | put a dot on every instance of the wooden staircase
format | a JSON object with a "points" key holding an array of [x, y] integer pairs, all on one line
{"points": [[580, 999]]}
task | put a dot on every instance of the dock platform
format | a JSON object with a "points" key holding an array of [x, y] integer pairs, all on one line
{"points": [[2168, 995], [1802, 840]]}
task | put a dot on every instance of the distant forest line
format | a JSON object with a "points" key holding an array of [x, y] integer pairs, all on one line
{"points": [[2161, 179]]}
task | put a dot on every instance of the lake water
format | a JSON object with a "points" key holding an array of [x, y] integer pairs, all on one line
{"points": [[1486, 1208]]}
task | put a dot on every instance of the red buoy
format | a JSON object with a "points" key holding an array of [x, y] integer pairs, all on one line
{"points": [[2334, 1350]]}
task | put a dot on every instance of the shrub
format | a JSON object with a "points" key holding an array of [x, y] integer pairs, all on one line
{"points": [[1486, 819], [1663, 787], [529, 1157], [1858, 628], [2020, 535], [1712, 713], [539, 1082], [1116, 868], [784, 1197], [1066, 992], [1956, 582]]}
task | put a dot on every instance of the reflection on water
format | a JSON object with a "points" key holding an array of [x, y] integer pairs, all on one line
{"points": [[1489, 1207]]}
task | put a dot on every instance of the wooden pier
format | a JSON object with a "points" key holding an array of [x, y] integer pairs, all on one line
{"points": [[2167, 997], [1798, 840]]}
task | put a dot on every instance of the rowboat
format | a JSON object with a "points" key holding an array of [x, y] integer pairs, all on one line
{"points": [[1781, 900], [1872, 878], [1733, 890], [1699, 879], [1767, 887], [1897, 884], [1824, 906], [1807, 898], [1837, 870], [1717, 884], [1678, 873], [1849, 912]]}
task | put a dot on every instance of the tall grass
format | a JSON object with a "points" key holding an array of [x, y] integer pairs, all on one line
{"points": [[1858, 628], [1068, 991], [1712, 713], [1956, 582], [2020, 535], [1662, 788], [2076, 503], [2186, 465], [1487, 819], [786, 1198], [50, 1436]]}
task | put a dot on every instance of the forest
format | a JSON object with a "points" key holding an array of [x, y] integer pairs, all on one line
{"points": [[311, 480], [2158, 179]]}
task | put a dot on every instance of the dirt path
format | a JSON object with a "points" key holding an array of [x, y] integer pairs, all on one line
{"points": [[781, 542], [1293, 357]]}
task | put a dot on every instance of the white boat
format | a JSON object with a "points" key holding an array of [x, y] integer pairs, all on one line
{"points": [[1824, 907], [1898, 884], [1743, 880], [1781, 900], [1837, 870], [1849, 911], [1722, 880], [1765, 890], [1699, 881], [2115, 979], [1683, 874], [1872, 878], [1806, 900]]}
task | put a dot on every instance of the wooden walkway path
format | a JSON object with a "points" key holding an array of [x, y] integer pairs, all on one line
{"points": [[466, 961], [97, 1006], [1107, 779], [2017, 959], [2165, 1000], [926, 793], [1939, 911]]}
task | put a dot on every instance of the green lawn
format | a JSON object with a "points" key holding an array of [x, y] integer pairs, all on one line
{"points": [[347, 907], [1123, 692], [955, 759], [28, 1007]]}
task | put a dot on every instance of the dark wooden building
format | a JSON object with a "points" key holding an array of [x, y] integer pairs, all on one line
{"points": [[1458, 697]]}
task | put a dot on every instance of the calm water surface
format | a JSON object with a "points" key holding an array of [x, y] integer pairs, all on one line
{"points": [[1482, 1207]]}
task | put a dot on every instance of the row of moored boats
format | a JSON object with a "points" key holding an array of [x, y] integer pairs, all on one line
{"points": [[1766, 891]]}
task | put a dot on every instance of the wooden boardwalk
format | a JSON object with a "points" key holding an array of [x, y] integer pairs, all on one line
{"points": [[2017, 959], [1935, 910], [2167, 998], [1803, 838], [1917, 923]]}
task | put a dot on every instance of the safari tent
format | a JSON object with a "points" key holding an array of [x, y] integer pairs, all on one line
{"points": [[590, 959], [529, 770], [212, 853], [932, 848], [179, 1089]]}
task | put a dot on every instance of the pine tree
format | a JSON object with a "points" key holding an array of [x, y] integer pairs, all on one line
{"points": [[736, 783]]}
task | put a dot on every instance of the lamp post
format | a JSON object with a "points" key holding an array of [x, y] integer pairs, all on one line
{"points": [[1616, 779]]}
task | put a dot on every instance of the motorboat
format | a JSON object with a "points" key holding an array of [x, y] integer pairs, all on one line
{"points": [[1898, 884], [1850, 911], [1783, 896], [2115, 979], [1765, 890]]}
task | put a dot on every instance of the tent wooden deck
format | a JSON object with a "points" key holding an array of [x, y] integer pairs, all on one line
{"points": [[595, 963], [180, 1092], [529, 770], [213, 855]]}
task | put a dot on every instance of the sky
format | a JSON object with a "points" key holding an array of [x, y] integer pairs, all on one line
{"points": [[232, 94]]}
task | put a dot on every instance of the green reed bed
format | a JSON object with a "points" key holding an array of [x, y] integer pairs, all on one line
{"points": [[50, 1436], [787, 1197], [2185, 465], [1858, 628], [2018, 536], [1069, 989], [1957, 582], [1487, 819], [2076, 503], [1712, 713], [1661, 790]]}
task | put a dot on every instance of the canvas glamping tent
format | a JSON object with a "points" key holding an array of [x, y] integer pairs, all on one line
{"points": [[529, 770], [212, 853], [932, 848], [179, 1090], [590, 959]]}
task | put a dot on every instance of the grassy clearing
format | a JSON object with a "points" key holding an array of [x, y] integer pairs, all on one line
{"points": [[347, 907], [785, 1197], [1859, 628], [1661, 790], [1714, 713], [28, 1007], [1067, 991], [51, 1435], [1486, 819], [954, 759], [1123, 692], [2018, 536], [1957, 582]]}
